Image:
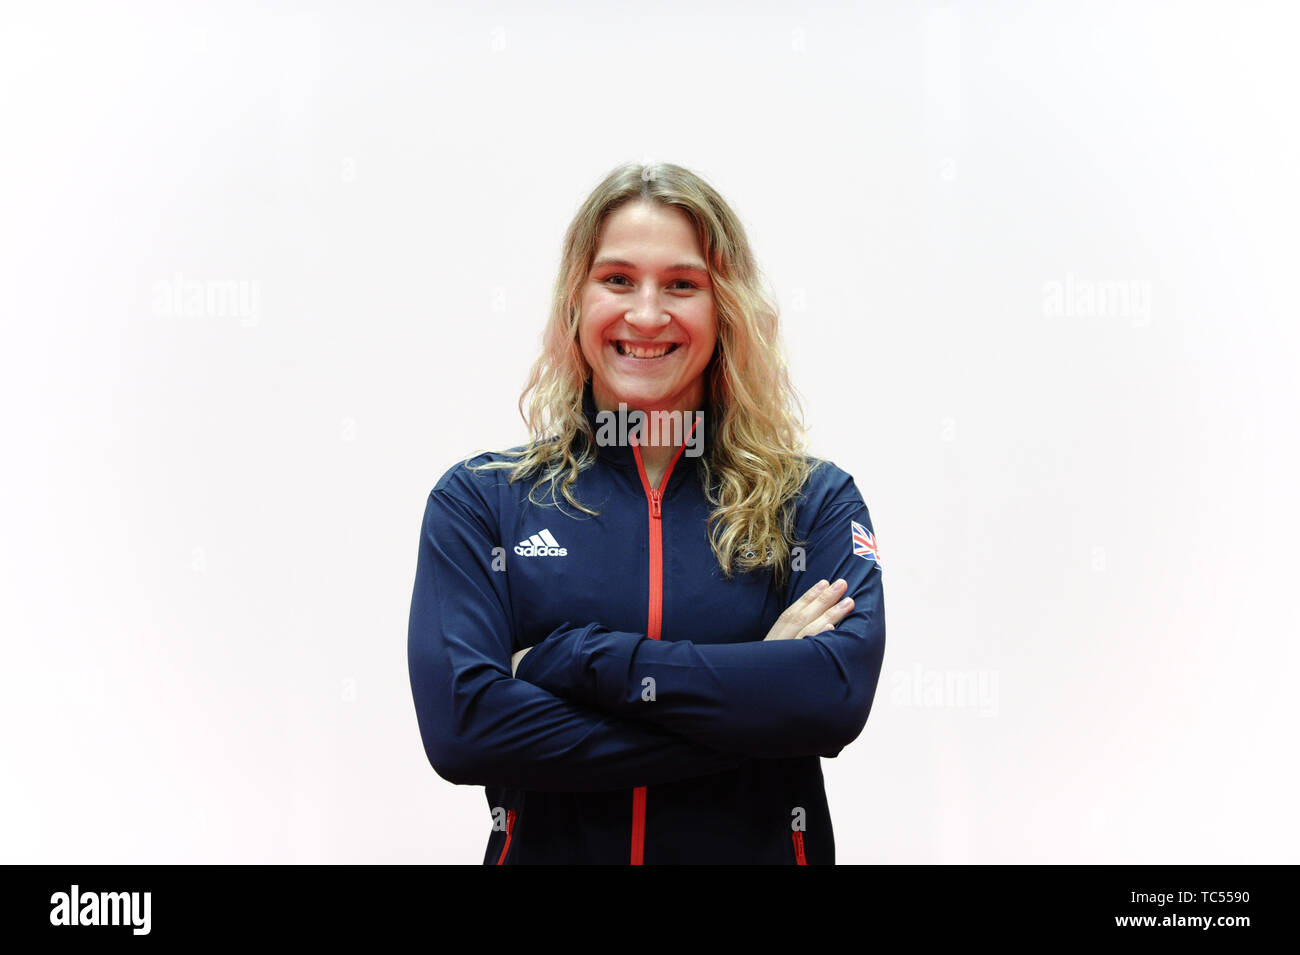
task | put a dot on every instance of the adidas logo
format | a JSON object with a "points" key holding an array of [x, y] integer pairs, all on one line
{"points": [[541, 544]]}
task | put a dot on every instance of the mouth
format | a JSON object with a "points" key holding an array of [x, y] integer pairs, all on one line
{"points": [[645, 352]]}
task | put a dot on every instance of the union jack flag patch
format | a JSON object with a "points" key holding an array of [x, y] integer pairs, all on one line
{"points": [[864, 545]]}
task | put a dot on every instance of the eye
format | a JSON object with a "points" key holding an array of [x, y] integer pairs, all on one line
{"points": [[675, 285]]}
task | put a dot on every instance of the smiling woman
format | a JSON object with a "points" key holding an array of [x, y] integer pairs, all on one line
{"points": [[649, 326], [658, 680]]}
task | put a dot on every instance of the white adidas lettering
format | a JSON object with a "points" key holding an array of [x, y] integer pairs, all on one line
{"points": [[541, 544]]}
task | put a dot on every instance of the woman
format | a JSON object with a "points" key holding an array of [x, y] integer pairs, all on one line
{"points": [[627, 671]]}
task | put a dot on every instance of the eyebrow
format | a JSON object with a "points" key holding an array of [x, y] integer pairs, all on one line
{"points": [[625, 264]]}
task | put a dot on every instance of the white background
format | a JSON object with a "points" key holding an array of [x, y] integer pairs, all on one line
{"points": [[210, 520]]}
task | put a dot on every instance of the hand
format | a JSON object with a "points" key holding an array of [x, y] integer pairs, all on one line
{"points": [[816, 611], [514, 660]]}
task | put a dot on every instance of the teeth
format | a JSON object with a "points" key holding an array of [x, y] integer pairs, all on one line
{"points": [[626, 349]]}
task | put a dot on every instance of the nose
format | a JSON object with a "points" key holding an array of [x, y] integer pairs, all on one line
{"points": [[647, 313]]}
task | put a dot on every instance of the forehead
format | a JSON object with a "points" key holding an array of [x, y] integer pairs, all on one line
{"points": [[641, 229]]}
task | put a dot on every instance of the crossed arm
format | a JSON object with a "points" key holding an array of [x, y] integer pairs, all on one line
{"points": [[760, 698], [573, 718], [820, 608]]}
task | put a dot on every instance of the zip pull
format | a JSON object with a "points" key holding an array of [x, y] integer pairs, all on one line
{"points": [[655, 497]]}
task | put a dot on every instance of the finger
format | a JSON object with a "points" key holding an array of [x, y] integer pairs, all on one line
{"points": [[785, 627], [811, 594], [823, 601], [831, 618], [796, 616]]}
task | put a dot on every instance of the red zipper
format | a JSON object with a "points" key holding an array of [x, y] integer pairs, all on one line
{"points": [[510, 828], [799, 859], [654, 497]]}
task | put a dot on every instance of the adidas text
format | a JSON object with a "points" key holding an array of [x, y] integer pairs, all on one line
{"points": [[541, 544]]}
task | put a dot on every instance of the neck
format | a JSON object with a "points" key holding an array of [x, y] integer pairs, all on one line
{"points": [[655, 458], [666, 426], [687, 401]]}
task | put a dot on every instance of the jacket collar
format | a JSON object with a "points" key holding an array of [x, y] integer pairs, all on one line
{"points": [[621, 455]]}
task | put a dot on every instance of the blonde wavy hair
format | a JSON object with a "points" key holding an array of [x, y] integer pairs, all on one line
{"points": [[754, 461]]}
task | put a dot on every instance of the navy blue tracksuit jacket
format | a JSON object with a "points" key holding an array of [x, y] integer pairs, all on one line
{"points": [[650, 722]]}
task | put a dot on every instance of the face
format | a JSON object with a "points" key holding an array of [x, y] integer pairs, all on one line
{"points": [[648, 287]]}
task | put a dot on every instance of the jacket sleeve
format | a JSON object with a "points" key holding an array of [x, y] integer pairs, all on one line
{"points": [[761, 698], [480, 725]]}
